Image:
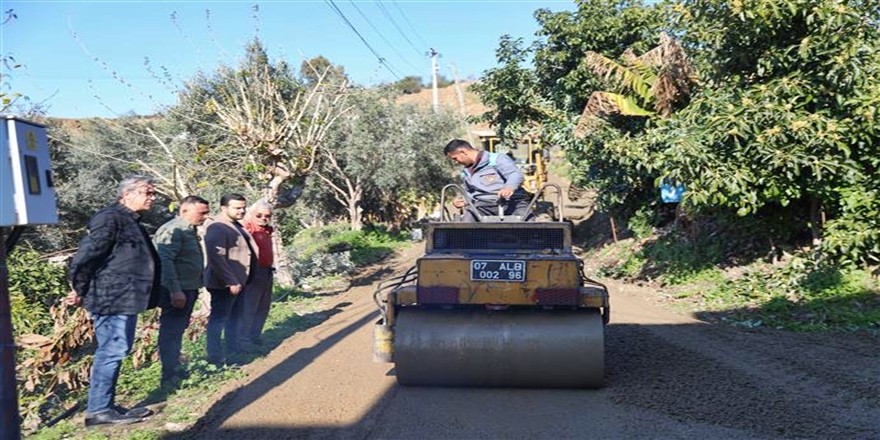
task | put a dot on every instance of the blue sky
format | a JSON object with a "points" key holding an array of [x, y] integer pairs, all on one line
{"points": [[71, 50]]}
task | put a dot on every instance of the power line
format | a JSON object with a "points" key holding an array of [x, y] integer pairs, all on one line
{"points": [[381, 59], [382, 36], [409, 23], [391, 19]]}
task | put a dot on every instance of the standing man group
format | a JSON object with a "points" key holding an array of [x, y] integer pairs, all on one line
{"points": [[115, 275]]}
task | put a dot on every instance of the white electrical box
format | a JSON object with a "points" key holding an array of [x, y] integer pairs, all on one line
{"points": [[27, 193]]}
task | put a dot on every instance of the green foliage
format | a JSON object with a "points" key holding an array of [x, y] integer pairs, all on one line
{"points": [[854, 235], [35, 285], [510, 90], [785, 112], [677, 260], [787, 116], [64, 429], [312, 70], [370, 246], [607, 27], [642, 223], [377, 156], [409, 85], [631, 267], [336, 250], [803, 296], [670, 258], [243, 126]]}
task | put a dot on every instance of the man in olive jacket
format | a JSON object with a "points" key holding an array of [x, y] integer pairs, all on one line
{"points": [[115, 275], [183, 262]]}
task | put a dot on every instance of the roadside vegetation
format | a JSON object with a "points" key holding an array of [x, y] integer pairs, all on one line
{"points": [[710, 278], [348, 169]]}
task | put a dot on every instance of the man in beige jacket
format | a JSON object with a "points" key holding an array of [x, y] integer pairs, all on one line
{"points": [[231, 254]]}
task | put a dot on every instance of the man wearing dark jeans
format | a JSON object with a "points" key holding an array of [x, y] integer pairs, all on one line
{"points": [[231, 255], [180, 251], [115, 275]]}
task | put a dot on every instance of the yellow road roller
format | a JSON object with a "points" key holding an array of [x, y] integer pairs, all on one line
{"points": [[494, 304]]}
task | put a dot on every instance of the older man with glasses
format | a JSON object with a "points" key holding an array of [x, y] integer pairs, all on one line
{"points": [[252, 309], [115, 275]]}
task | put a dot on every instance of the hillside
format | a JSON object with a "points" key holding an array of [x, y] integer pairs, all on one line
{"points": [[450, 99]]}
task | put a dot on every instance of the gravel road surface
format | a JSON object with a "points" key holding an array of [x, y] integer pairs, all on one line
{"points": [[669, 376]]}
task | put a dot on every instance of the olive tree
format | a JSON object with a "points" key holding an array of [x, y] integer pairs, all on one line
{"points": [[382, 157]]}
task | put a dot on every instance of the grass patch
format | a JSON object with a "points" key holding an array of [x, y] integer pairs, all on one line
{"points": [[668, 259], [801, 295], [807, 299]]}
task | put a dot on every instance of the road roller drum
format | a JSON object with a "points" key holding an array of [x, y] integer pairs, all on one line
{"points": [[511, 348]]}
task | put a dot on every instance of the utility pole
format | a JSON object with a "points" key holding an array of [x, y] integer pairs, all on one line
{"points": [[433, 53], [10, 423]]}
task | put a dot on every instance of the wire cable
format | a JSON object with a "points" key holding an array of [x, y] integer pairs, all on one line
{"points": [[409, 23], [394, 23], [381, 59], [383, 36]]}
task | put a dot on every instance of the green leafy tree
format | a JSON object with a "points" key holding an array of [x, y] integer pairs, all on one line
{"points": [[320, 69], [568, 70], [380, 156], [608, 27], [789, 118], [409, 85], [512, 93], [260, 119]]}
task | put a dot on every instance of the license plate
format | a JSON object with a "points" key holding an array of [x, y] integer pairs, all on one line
{"points": [[498, 270]]}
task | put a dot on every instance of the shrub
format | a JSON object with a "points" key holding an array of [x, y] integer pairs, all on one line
{"points": [[335, 250], [34, 286]]}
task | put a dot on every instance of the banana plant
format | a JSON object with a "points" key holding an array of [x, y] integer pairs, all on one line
{"points": [[657, 82]]}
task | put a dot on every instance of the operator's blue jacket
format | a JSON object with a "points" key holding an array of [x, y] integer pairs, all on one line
{"points": [[492, 172]]}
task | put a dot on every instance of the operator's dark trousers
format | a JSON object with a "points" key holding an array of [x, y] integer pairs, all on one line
{"points": [[172, 323], [221, 324], [513, 207]]}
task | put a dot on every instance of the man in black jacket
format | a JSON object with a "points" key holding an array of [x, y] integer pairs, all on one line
{"points": [[115, 275]]}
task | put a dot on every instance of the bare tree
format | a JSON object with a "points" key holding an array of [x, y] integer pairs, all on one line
{"points": [[282, 134]]}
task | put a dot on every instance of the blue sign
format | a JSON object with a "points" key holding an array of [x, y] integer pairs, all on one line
{"points": [[670, 193]]}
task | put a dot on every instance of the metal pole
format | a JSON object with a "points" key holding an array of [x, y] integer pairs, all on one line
{"points": [[435, 93], [10, 425]]}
